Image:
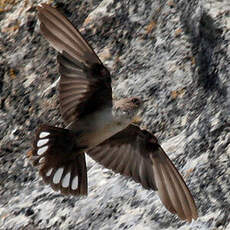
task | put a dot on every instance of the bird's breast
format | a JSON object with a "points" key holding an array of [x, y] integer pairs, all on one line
{"points": [[99, 126]]}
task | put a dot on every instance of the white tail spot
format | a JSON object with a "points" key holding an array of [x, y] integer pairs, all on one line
{"points": [[48, 173], [66, 180], [44, 134], [74, 183], [42, 150], [58, 175], [41, 160], [42, 142]]}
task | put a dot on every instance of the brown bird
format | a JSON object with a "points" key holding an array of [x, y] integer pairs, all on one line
{"points": [[99, 126]]}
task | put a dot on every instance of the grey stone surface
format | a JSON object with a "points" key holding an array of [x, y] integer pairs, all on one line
{"points": [[176, 55]]}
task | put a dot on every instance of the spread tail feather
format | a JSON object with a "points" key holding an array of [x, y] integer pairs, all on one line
{"points": [[61, 161]]}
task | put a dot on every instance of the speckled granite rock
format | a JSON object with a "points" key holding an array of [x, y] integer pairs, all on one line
{"points": [[174, 53]]}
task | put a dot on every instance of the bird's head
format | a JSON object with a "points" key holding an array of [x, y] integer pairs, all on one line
{"points": [[128, 108]]}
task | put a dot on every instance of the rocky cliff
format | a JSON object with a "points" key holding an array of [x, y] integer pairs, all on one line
{"points": [[176, 55]]}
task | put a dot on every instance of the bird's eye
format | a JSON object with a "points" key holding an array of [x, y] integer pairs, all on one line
{"points": [[136, 101]]}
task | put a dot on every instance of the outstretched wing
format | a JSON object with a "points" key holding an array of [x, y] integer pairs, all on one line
{"points": [[85, 84], [137, 154]]}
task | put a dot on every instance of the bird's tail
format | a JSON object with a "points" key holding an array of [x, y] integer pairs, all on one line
{"points": [[60, 159]]}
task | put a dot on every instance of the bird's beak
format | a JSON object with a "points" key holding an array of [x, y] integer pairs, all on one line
{"points": [[137, 119]]}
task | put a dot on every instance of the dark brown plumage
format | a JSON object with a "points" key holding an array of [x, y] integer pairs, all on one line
{"points": [[99, 126]]}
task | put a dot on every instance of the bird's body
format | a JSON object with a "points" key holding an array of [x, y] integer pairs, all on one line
{"points": [[100, 126]]}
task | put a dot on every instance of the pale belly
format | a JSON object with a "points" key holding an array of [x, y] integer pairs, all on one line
{"points": [[98, 127]]}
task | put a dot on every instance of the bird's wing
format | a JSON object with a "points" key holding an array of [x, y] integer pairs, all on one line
{"points": [[85, 84], [137, 154]]}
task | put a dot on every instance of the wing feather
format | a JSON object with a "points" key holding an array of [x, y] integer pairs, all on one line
{"points": [[137, 154], [85, 84]]}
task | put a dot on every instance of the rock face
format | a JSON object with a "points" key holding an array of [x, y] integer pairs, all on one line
{"points": [[176, 55]]}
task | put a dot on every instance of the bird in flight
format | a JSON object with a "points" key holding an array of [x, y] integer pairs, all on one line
{"points": [[96, 124]]}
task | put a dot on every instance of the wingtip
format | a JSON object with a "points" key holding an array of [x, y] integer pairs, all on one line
{"points": [[43, 5], [195, 214], [172, 189], [40, 7], [191, 218]]}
